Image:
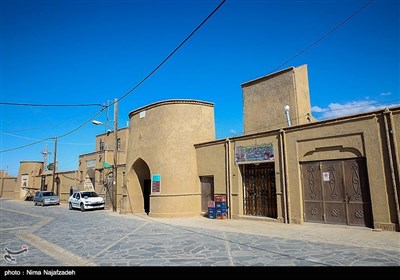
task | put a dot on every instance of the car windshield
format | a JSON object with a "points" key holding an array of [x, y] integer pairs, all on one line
{"points": [[49, 194], [89, 194]]}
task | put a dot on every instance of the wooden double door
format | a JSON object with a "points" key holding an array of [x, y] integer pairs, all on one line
{"points": [[336, 192]]}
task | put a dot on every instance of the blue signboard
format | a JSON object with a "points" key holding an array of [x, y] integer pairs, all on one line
{"points": [[156, 183]]}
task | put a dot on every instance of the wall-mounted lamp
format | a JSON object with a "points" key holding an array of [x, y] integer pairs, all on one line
{"points": [[287, 114]]}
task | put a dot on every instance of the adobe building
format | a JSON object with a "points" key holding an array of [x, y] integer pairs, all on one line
{"points": [[33, 177], [28, 180], [287, 166], [7, 187], [93, 173], [95, 170], [338, 171], [161, 167], [264, 100]]}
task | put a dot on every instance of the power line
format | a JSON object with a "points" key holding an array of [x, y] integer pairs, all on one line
{"points": [[82, 125], [24, 146], [52, 138], [172, 53], [49, 105], [324, 36], [123, 96], [67, 121], [315, 43], [22, 137], [158, 66], [64, 143]]}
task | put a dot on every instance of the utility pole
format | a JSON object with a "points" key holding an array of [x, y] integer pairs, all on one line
{"points": [[115, 168], [54, 164]]}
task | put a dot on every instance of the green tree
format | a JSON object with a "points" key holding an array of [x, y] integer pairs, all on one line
{"points": [[50, 166]]}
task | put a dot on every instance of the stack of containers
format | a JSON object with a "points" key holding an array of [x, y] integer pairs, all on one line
{"points": [[220, 206], [211, 210]]}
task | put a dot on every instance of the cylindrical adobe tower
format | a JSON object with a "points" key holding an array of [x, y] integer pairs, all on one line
{"points": [[161, 167], [29, 177]]}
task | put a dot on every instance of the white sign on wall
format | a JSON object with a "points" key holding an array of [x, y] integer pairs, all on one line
{"points": [[325, 176], [88, 183], [24, 181], [91, 163]]}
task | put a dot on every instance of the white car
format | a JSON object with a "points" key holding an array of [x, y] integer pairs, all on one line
{"points": [[85, 200]]}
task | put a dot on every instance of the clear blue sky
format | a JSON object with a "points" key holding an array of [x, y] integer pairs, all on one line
{"points": [[91, 51]]}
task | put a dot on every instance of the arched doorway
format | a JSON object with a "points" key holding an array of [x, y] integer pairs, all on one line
{"points": [[91, 174], [141, 184]]}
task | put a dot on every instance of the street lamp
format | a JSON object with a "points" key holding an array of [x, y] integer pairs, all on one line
{"points": [[286, 107], [97, 122], [115, 151], [100, 123]]}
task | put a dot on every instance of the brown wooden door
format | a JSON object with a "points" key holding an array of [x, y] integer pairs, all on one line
{"points": [[207, 191], [312, 192], [336, 192], [357, 191], [333, 190], [259, 190]]}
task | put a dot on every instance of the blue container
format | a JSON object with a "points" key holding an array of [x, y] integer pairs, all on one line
{"points": [[220, 205]]}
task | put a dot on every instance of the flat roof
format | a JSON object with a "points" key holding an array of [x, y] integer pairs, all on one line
{"points": [[268, 76]]}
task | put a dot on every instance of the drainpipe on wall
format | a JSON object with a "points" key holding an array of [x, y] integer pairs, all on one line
{"points": [[285, 214], [227, 176], [390, 132]]}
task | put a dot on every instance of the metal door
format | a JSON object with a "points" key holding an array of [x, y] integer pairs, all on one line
{"points": [[259, 195], [312, 192], [333, 192], [336, 192], [358, 197]]}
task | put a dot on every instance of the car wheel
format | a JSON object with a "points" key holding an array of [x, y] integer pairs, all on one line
{"points": [[82, 207], [70, 206], [35, 204]]}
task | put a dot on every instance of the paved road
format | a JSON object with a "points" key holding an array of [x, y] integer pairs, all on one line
{"points": [[56, 236]]}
